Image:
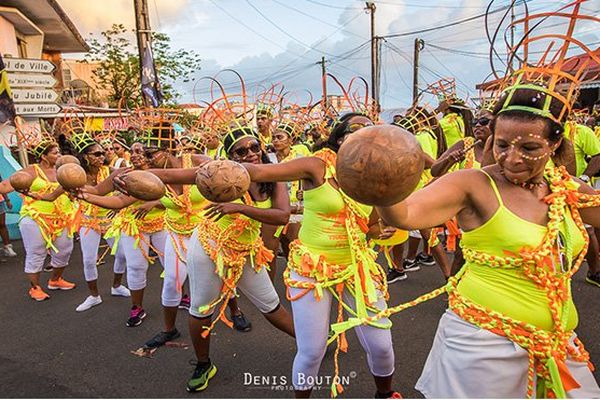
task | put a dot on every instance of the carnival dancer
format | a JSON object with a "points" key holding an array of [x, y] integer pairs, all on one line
{"points": [[456, 122], [93, 222], [136, 229], [330, 259], [226, 253], [183, 211], [510, 307], [44, 225]]}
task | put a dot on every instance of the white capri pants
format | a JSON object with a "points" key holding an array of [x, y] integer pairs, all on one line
{"points": [[137, 264], [205, 284], [89, 241], [36, 251], [311, 322], [175, 269], [466, 361]]}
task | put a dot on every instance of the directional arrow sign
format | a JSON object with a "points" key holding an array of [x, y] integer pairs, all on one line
{"points": [[37, 109], [28, 65], [17, 80], [34, 95]]}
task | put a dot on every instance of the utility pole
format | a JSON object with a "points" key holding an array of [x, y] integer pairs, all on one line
{"points": [[324, 81], [143, 33], [374, 55], [512, 33], [419, 44]]}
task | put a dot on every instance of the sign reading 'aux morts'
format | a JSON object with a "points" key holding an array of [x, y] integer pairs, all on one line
{"points": [[32, 85]]}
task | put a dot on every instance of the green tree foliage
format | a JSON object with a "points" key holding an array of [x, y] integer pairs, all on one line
{"points": [[119, 65]]}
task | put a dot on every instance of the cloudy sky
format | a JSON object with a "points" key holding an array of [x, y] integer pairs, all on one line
{"points": [[271, 41]]}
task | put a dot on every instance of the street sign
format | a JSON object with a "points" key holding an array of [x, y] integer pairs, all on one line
{"points": [[18, 80], [34, 96], [37, 109], [28, 65]]}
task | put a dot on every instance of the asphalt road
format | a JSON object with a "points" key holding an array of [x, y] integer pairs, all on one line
{"points": [[49, 350]]}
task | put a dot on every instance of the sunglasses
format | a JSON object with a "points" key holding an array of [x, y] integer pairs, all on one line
{"points": [[356, 126], [484, 121], [98, 154], [243, 151]]}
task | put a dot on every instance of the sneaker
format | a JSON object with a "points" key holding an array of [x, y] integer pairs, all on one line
{"points": [[425, 259], [184, 304], [136, 316], [161, 338], [394, 275], [88, 303], [411, 265], [241, 323], [38, 294], [120, 291], [8, 251], [48, 268], [60, 284], [202, 374], [391, 395], [593, 279]]}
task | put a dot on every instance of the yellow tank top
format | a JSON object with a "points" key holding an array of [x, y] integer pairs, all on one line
{"points": [[508, 290], [52, 217], [92, 210], [470, 162], [183, 211], [323, 230], [454, 128]]}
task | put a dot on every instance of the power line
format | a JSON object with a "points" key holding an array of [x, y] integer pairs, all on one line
{"points": [[315, 18], [454, 23], [335, 7], [423, 5]]}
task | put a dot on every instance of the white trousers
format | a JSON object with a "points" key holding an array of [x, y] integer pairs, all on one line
{"points": [[36, 251], [466, 361], [311, 322], [175, 269], [205, 284], [137, 264], [89, 241]]}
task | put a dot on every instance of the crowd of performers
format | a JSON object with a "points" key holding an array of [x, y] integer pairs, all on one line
{"points": [[507, 187]]}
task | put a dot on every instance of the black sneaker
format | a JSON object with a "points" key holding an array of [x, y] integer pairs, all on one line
{"points": [[48, 268], [425, 259], [161, 338], [395, 276], [411, 265], [136, 316], [593, 279], [202, 374], [241, 323]]}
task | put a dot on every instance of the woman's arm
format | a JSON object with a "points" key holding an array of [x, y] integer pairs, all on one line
{"points": [[307, 168], [590, 216], [106, 186], [175, 176], [450, 157], [434, 204], [111, 202], [278, 214]]}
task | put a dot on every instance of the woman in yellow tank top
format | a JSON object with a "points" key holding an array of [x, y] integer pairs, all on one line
{"points": [[137, 229], [183, 211], [226, 252], [92, 222], [510, 306], [332, 259], [44, 225]]}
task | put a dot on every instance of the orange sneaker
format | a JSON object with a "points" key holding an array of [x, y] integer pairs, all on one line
{"points": [[60, 284], [38, 294]]}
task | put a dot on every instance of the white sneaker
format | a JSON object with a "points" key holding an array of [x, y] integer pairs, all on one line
{"points": [[8, 251], [89, 302], [120, 291]]}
